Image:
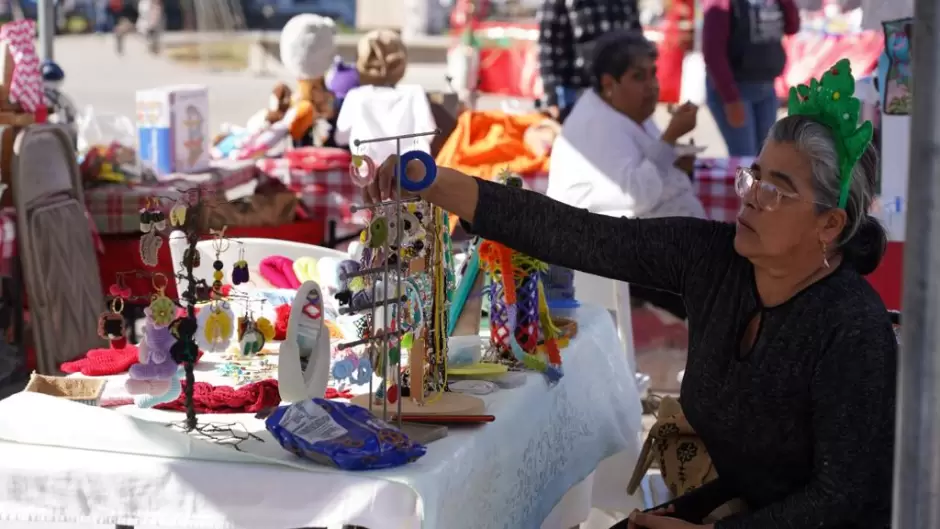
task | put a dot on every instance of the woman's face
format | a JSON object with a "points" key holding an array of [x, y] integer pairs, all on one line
{"points": [[636, 93], [778, 217]]}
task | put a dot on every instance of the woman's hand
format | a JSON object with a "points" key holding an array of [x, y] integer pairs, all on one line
{"points": [[656, 520], [662, 511], [735, 114], [683, 122], [384, 186]]}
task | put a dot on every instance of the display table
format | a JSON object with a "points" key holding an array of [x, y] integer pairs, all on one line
{"points": [[107, 469], [714, 186], [116, 208]]}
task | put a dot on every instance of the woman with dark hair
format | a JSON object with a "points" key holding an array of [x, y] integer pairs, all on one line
{"points": [[612, 159], [791, 374]]}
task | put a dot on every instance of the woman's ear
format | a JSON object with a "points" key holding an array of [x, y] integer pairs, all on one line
{"points": [[832, 223], [607, 84]]}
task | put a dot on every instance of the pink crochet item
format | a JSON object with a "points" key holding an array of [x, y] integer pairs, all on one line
{"points": [[279, 271]]}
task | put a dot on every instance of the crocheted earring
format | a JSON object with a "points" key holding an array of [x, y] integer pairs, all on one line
{"points": [[111, 323], [150, 243], [178, 214], [240, 270], [250, 340], [216, 326], [162, 308], [146, 219], [377, 232], [360, 176], [219, 245]]}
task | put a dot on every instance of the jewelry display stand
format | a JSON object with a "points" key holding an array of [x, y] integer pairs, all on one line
{"points": [[398, 319]]}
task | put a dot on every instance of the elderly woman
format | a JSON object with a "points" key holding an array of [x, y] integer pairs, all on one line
{"points": [[611, 158], [790, 381]]}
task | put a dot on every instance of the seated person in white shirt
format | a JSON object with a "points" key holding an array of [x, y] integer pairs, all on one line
{"points": [[610, 157]]}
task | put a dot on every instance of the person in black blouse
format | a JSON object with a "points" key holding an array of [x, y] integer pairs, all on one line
{"points": [[567, 32], [792, 361]]}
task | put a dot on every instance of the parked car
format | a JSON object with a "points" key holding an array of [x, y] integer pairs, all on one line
{"points": [[343, 12]]}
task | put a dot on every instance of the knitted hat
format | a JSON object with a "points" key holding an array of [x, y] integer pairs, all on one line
{"points": [[341, 78], [381, 58], [307, 45]]}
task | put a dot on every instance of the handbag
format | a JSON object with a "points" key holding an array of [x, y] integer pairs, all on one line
{"points": [[683, 459]]}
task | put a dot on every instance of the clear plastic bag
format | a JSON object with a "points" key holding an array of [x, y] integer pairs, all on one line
{"points": [[104, 129]]}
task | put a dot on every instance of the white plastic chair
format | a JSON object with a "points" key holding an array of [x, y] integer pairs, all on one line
{"points": [[615, 297], [255, 249]]}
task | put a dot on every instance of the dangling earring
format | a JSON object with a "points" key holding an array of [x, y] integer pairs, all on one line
{"points": [[217, 265], [825, 252], [240, 270], [162, 309]]}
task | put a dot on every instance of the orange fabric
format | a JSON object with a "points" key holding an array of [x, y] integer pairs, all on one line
{"points": [[484, 143], [304, 120]]}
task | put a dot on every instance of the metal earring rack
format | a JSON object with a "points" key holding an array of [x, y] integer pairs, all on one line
{"points": [[387, 301]]}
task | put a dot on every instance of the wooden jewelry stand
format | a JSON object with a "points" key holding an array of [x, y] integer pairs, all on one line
{"points": [[12, 121], [443, 403]]}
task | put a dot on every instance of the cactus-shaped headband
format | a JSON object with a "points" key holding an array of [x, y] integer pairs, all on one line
{"points": [[830, 101]]}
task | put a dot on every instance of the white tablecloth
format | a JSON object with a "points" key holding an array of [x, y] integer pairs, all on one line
{"points": [[108, 468]]}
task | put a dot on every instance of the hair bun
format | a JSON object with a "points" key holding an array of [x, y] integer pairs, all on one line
{"points": [[866, 248]]}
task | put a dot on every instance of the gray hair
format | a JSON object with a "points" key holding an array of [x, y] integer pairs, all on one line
{"points": [[616, 52], [863, 236]]}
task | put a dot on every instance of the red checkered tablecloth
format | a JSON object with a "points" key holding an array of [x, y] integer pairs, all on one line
{"points": [[116, 208], [320, 177], [714, 185]]}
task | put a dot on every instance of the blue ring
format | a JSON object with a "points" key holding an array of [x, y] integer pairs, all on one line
{"points": [[430, 171]]}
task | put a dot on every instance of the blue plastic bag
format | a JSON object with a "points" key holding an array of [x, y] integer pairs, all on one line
{"points": [[341, 435]]}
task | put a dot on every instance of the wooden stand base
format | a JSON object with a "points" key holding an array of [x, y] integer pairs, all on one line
{"points": [[446, 404]]}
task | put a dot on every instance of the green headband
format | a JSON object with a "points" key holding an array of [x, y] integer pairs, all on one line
{"points": [[830, 101]]}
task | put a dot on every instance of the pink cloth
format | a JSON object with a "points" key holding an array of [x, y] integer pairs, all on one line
{"points": [[279, 271], [26, 87]]}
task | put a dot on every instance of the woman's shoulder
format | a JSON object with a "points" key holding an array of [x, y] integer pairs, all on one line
{"points": [[854, 313]]}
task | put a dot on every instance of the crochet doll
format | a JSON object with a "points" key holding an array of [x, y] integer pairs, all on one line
{"points": [[307, 51], [381, 58], [340, 80]]}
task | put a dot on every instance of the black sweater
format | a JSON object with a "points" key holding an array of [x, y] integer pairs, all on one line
{"points": [[802, 427]]}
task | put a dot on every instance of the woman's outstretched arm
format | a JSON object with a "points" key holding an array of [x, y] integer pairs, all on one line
{"points": [[658, 253]]}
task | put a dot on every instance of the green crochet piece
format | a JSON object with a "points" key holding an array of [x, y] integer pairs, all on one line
{"points": [[830, 101]]}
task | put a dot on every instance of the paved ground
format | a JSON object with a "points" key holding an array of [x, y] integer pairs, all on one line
{"points": [[96, 76]]}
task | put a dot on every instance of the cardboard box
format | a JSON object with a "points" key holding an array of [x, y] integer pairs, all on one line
{"points": [[173, 129]]}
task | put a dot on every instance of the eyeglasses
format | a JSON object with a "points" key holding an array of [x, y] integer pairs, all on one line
{"points": [[766, 195]]}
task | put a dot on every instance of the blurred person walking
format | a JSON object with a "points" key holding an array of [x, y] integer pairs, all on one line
{"points": [[743, 48], [568, 30]]}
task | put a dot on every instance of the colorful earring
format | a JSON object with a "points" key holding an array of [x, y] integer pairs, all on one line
{"points": [[111, 323], [162, 308], [217, 325], [146, 219], [150, 243], [178, 214], [356, 174], [377, 232], [159, 219], [218, 265], [250, 339], [240, 270]]}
